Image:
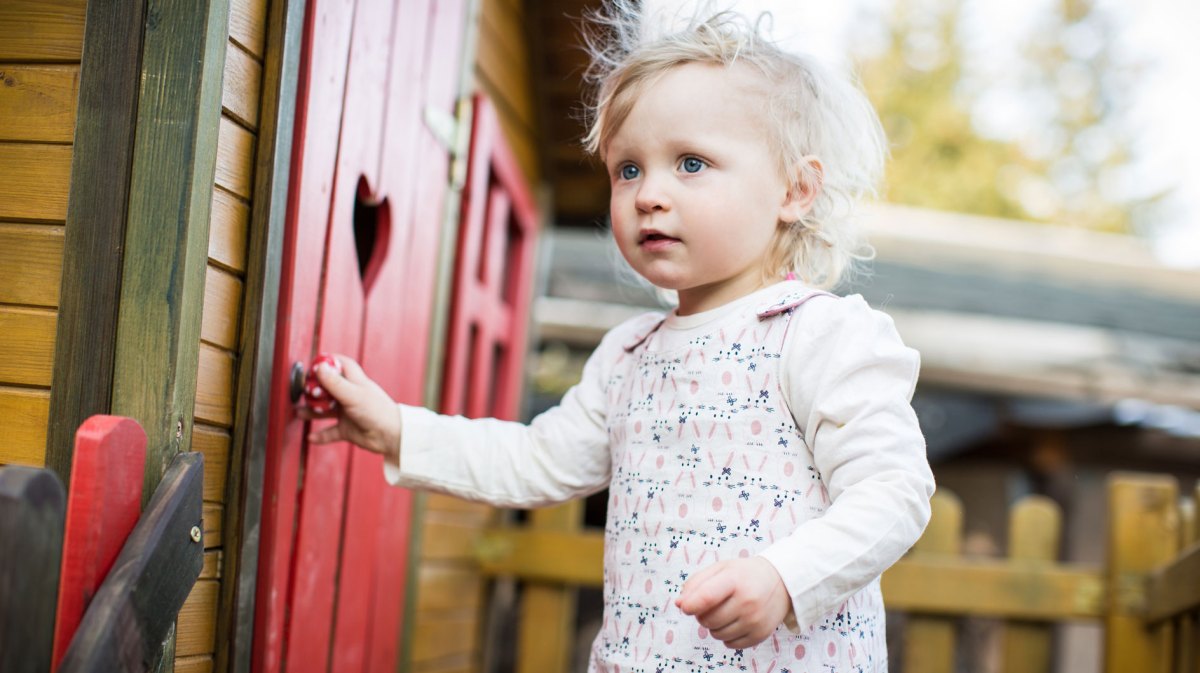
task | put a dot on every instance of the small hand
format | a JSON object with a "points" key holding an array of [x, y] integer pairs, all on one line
{"points": [[366, 415], [740, 601]]}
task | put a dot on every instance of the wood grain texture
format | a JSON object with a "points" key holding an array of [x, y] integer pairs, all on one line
{"points": [[103, 507], [27, 341], [248, 23], [34, 181], [222, 308], [200, 663], [24, 414], [110, 75], [30, 263], [1142, 535], [133, 613], [257, 251], [32, 506], [448, 540], [235, 158], [440, 636], [449, 587], [214, 524], [243, 80], [37, 102], [227, 240], [546, 633], [214, 387], [213, 442], [1034, 530], [162, 286], [212, 565], [196, 629], [41, 30]]}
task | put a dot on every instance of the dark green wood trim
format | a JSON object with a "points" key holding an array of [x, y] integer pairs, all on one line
{"points": [[166, 235], [243, 498], [100, 168]]}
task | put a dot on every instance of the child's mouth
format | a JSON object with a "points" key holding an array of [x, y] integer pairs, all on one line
{"points": [[656, 241]]}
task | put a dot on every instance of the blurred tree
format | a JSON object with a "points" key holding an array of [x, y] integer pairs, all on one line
{"points": [[1068, 169]]}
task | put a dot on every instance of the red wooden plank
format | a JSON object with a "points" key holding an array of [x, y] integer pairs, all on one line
{"points": [[318, 115], [493, 279], [103, 505]]}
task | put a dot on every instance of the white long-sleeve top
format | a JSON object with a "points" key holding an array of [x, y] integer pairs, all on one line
{"points": [[846, 379]]}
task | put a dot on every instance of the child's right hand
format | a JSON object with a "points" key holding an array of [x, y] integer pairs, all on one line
{"points": [[366, 415]]}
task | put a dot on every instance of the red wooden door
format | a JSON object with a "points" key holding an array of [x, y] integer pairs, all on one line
{"points": [[357, 279]]}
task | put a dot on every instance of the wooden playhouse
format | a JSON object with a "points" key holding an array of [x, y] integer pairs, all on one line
{"points": [[196, 197]]}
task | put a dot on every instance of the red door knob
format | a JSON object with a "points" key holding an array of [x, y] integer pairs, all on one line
{"points": [[315, 397]]}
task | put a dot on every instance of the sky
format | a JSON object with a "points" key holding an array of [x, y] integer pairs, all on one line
{"points": [[1165, 107]]}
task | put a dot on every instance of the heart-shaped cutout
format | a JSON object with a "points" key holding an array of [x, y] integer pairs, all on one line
{"points": [[372, 230]]}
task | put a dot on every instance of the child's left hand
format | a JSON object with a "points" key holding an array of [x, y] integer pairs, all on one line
{"points": [[740, 602]]}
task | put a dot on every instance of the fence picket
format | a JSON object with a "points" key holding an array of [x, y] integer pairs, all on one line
{"points": [[929, 642], [105, 501], [1034, 529], [1143, 534], [32, 507], [546, 631], [1185, 645]]}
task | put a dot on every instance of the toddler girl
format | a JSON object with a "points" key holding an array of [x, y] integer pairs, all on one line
{"points": [[763, 462]]}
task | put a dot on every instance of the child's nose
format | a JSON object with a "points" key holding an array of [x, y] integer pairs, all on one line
{"points": [[652, 195]]}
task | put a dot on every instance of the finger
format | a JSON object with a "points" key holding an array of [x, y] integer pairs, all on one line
{"points": [[710, 592], [695, 580], [720, 617], [327, 435], [728, 632], [351, 369], [336, 385]]}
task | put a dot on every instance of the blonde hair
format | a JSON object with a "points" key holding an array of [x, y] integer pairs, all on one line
{"points": [[811, 112]]}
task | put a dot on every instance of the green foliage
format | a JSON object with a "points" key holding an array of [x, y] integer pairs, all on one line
{"points": [[939, 158]]}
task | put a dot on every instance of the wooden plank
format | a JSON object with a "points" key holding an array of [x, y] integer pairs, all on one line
{"points": [[506, 68], [929, 642], [34, 181], [546, 633], [1174, 588], [1142, 535], [1034, 530], [201, 663], [214, 386], [543, 556], [273, 155], [37, 102], [103, 507], [41, 30], [27, 341], [214, 523], [31, 514], [1187, 658], [222, 308], [212, 564], [235, 158], [444, 635], [24, 414], [196, 632], [30, 263], [110, 74], [243, 81], [214, 443], [464, 509], [228, 232], [133, 612], [449, 587], [247, 24], [449, 540]]}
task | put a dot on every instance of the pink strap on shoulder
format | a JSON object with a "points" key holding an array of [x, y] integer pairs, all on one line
{"points": [[790, 301]]}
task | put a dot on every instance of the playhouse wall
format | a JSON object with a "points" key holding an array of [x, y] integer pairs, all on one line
{"points": [[40, 46], [221, 318]]}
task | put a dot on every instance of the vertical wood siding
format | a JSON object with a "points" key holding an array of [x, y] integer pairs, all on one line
{"points": [[221, 321], [40, 46]]}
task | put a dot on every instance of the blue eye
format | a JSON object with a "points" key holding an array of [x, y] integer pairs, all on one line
{"points": [[692, 165], [629, 172]]}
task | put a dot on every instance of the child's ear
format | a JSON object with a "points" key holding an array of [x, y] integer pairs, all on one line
{"points": [[805, 185]]}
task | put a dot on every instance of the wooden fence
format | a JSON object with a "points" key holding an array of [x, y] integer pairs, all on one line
{"points": [[1146, 595], [86, 583]]}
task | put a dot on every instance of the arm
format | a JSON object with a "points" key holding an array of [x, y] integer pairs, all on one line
{"points": [[849, 380]]}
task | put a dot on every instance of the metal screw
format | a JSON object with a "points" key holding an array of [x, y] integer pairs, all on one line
{"points": [[195, 533]]}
